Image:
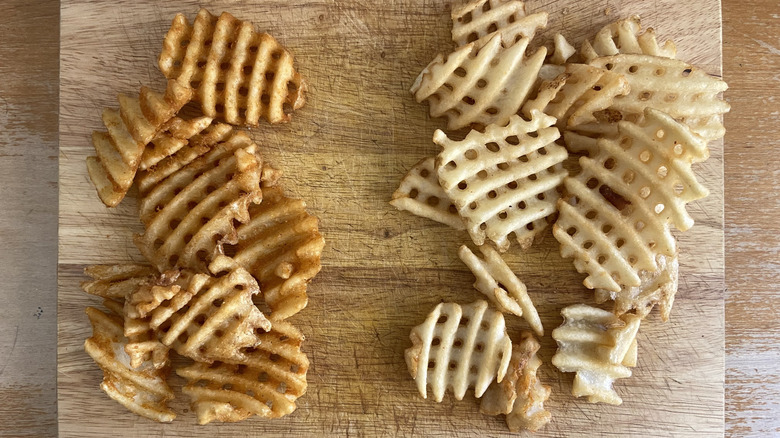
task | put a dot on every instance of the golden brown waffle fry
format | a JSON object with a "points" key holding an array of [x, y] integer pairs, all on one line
{"points": [[266, 384], [479, 86], [281, 246], [681, 90], [479, 20], [240, 75], [574, 96], [459, 347], [129, 130], [116, 281], [504, 180], [501, 285], [173, 136], [204, 317], [420, 194], [594, 344], [189, 213], [657, 287], [623, 36], [142, 390], [520, 395]]}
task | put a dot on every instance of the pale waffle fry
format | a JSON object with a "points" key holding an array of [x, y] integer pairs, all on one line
{"points": [[266, 384], [623, 36], [501, 285], [459, 347], [142, 390], [595, 343], [479, 20], [116, 281], [579, 143], [479, 86], [420, 194], [656, 288], [577, 94], [562, 50], [681, 90], [281, 246], [173, 136], [204, 317], [504, 181], [239, 75], [129, 130], [520, 395], [191, 212]]}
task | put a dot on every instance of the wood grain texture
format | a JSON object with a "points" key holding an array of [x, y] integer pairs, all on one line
{"points": [[752, 53], [28, 217], [383, 270]]}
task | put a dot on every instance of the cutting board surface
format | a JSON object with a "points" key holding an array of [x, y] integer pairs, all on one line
{"points": [[383, 270]]}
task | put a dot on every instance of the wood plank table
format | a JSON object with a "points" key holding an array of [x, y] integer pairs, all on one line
{"points": [[28, 216]]}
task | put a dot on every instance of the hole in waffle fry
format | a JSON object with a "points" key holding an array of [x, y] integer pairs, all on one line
{"points": [[540, 196], [464, 321], [502, 215], [219, 108], [571, 231], [431, 364], [219, 333], [201, 383], [482, 174], [243, 91], [645, 95], [173, 259], [413, 193], [659, 208], [270, 76], [218, 302], [157, 244], [224, 66], [686, 72], [276, 55], [200, 319], [617, 201], [465, 19], [452, 209], [628, 176], [492, 28], [619, 243], [442, 319], [472, 37], [468, 100], [662, 172], [542, 151], [458, 343], [523, 158], [462, 185], [282, 388], [639, 226], [436, 341], [486, 7], [533, 134], [492, 111], [460, 72], [183, 337], [591, 214], [481, 83], [633, 69], [201, 64], [513, 140], [592, 183], [479, 347], [609, 163], [606, 228], [174, 223], [452, 365], [533, 177], [473, 206], [512, 185], [521, 205], [503, 166], [609, 66], [493, 147], [433, 201], [602, 258], [262, 377], [587, 245], [530, 226], [471, 154], [492, 194], [644, 192], [253, 49]]}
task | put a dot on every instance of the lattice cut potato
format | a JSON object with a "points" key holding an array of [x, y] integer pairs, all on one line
{"points": [[420, 194], [281, 246], [457, 348], [173, 136], [479, 86], [599, 347], [119, 149], [623, 36], [504, 181], [267, 383], [479, 20], [142, 389], [204, 317], [520, 395], [239, 75], [497, 281], [116, 281], [189, 213]]}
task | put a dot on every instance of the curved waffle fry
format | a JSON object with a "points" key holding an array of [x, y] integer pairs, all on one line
{"points": [[623, 36], [128, 131], [459, 347], [116, 281], [173, 136], [189, 213], [240, 75], [504, 181], [595, 344], [206, 318], [281, 246], [142, 390], [501, 285], [479, 86], [266, 384], [479, 20], [420, 194], [520, 395]]}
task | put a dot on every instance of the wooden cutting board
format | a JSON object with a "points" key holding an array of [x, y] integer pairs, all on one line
{"points": [[383, 270]]}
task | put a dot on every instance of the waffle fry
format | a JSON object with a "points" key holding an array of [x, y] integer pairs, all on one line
{"points": [[420, 194], [683, 91], [240, 75], [119, 149], [266, 384], [501, 285], [562, 50], [142, 390], [173, 136], [459, 347], [520, 395], [504, 181], [479, 86], [656, 288], [594, 344], [206, 318], [579, 143], [116, 281], [191, 212], [281, 246], [479, 20], [623, 36], [576, 95]]}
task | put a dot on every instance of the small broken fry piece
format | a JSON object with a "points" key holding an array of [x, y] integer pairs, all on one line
{"points": [[420, 194]]}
